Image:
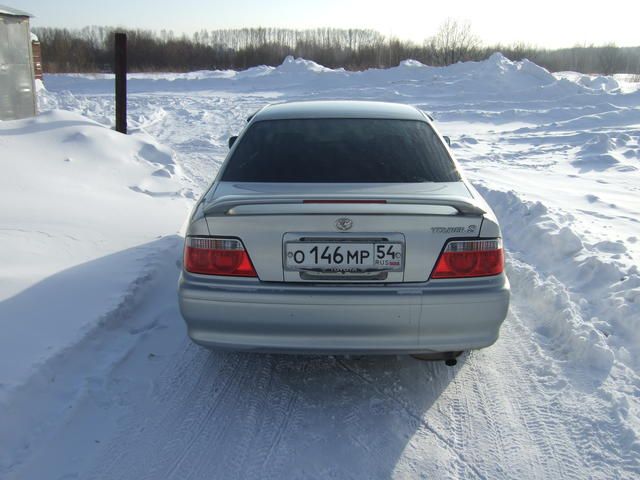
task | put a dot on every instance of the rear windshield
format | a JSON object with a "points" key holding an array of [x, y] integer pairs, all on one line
{"points": [[340, 151]]}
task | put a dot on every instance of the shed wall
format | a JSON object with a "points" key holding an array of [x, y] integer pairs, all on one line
{"points": [[17, 88]]}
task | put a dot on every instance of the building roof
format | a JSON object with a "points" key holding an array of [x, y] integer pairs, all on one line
{"points": [[13, 12], [339, 109]]}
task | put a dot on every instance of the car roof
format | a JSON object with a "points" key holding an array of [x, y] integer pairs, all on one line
{"points": [[339, 109]]}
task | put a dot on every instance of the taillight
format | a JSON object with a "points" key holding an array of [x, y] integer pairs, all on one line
{"points": [[470, 258], [217, 256]]}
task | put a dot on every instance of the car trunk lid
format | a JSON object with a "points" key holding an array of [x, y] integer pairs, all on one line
{"points": [[269, 217]]}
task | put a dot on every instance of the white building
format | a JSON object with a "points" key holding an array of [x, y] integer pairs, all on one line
{"points": [[17, 85]]}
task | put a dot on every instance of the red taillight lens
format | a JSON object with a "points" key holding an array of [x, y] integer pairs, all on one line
{"points": [[217, 256], [470, 258]]}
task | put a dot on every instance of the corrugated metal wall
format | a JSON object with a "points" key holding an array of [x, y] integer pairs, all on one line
{"points": [[17, 86]]}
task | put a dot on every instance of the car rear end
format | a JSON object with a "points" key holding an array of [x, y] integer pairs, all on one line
{"points": [[342, 228]]}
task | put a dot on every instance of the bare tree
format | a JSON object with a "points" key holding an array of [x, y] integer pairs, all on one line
{"points": [[454, 42]]}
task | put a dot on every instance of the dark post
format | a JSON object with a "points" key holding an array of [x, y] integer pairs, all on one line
{"points": [[121, 82]]}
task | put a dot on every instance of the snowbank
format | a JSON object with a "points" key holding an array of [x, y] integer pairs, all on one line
{"points": [[586, 301], [592, 82], [80, 205], [494, 76]]}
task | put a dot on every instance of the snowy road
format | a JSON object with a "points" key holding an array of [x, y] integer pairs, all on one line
{"points": [[556, 397], [164, 408]]}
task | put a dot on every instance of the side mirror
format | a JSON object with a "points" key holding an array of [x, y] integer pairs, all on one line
{"points": [[447, 139], [232, 140]]}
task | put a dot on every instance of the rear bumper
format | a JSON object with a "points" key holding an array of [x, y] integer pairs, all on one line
{"points": [[435, 316]]}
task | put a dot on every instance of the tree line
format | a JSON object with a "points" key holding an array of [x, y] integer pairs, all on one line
{"points": [[91, 50]]}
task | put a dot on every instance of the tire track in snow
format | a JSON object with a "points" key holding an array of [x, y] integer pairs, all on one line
{"points": [[251, 428], [236, 430], [229, 378], [499, 412], [509, 412], [247, 439], [286, 414], [500, 404], [461, 457], [460, 421], [165, 441]]}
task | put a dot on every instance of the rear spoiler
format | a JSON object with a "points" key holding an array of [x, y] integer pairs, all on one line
{"points": [[345, 204]]}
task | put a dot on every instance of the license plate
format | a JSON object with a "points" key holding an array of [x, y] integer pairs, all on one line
{"points": [[344, 256]]}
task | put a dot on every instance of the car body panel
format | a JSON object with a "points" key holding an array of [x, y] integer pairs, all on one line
{"points": [[247, 314]]}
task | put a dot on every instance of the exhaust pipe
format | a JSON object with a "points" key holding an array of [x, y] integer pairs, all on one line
{"points": [[450, 358]]}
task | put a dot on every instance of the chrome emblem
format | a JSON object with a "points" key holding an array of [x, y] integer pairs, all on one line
{"points": [[344, 223]]}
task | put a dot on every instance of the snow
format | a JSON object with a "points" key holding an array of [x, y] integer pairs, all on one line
{"points": [[78, 203], [98, 380]]}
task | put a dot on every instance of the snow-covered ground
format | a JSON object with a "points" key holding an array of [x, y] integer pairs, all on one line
{"points": [[98, 380], [82, 209]]}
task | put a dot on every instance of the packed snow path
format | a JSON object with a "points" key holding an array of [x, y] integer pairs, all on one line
{"points": [[164, 408], [555, 397]]}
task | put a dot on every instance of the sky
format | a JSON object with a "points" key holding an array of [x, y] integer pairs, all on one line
{"points": [[545, 23]]}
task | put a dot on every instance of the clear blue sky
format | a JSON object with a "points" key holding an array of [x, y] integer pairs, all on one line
{"points": [[551, 23]]}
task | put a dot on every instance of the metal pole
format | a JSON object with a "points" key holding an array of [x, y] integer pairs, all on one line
{"points": [[121, 82]]}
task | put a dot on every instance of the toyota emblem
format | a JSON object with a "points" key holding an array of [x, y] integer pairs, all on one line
{"points": [[344, 223]]}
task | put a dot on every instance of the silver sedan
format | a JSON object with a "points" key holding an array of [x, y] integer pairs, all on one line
{"points": [[343, 227]]}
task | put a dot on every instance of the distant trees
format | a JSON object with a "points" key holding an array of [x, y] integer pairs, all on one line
{"points": [[609, 57], [91, 50], [605, 59]]}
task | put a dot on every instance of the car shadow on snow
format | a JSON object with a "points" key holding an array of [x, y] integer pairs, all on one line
{"points": [[329, 416]]}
